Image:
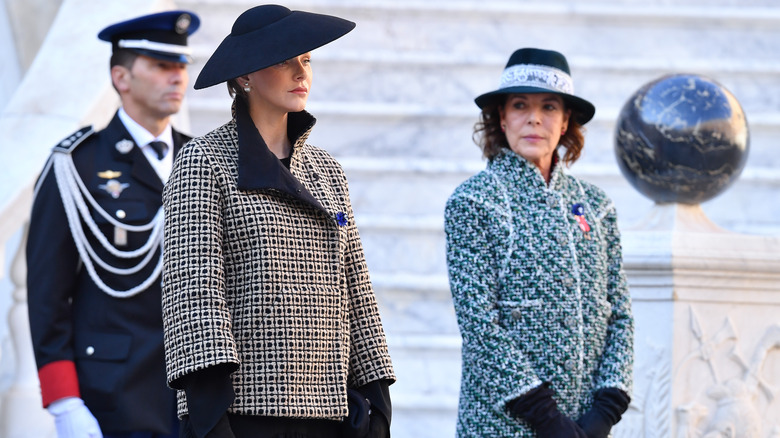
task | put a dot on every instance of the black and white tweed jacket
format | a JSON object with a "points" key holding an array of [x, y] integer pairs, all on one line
{"points": [[537, 298], [264, 269]]}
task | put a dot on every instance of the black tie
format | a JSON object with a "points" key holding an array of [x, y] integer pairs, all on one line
{"points": [[159, 147]]}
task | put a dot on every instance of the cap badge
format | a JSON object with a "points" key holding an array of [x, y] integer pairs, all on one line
{"points": [[183, 23], [114, 187], [109, 174], [124, 146]]}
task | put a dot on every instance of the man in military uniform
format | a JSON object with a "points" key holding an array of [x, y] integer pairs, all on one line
{"points": [[94, 246]]}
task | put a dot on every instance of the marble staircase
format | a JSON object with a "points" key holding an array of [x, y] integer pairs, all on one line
{"points": [[394, 102]]}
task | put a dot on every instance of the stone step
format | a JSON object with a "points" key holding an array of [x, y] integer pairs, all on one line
{"points": [[445, 53], [425, 396], [387, 191], [414, 304], [405, 130]]}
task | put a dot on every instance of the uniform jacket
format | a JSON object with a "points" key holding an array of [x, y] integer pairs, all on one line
{"points": [[264, 270], [537, 299], [107, 350]]}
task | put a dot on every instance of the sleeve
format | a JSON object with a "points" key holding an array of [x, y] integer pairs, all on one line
{"points": [[52, 268], [616, 366], [369, 357], [196, 318], [477, 244]]}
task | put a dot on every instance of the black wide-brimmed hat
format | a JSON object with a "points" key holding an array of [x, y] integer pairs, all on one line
{"points": [[267, 35], [161, 36], [531, 71]]}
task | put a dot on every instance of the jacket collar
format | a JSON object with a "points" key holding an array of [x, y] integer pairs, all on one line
{"points": [[512, 166], [258, 167]]}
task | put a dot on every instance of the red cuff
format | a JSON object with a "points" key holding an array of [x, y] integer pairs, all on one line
{"points": [[58, 380]]}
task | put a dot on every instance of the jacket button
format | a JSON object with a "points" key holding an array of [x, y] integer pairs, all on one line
{"points": [[568, 282], [570, 322], [562, 239], [90, 350], [551, 201], [121, 214], [517, 313], [569, 365]]}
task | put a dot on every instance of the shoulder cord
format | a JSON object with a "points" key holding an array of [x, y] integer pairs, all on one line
{"points": [[73, 192]]}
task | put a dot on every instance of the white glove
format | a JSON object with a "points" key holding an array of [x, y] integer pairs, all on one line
{"points": [[73, 419]]}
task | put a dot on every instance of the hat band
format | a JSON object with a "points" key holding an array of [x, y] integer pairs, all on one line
{"points": [[542, 76], [155, 46]]}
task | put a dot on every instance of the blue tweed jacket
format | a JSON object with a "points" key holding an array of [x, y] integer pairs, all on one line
{"points": [[537, 298]]}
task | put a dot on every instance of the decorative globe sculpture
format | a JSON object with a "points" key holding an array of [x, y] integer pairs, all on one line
{"points": [[681, 138]]}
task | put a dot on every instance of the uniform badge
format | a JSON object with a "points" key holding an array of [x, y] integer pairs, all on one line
{"points": [[109, 174], [124, 146], [578, 210], [114, 187], [183, 23]]}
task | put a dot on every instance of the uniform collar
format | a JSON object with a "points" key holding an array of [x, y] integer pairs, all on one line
{"points": [[258, 167], [140, 135]]}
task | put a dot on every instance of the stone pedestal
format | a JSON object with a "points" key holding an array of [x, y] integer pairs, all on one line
{"points": [[707, 343]]}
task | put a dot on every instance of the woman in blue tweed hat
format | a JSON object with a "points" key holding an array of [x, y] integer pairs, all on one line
{"points": [[535, 268]]}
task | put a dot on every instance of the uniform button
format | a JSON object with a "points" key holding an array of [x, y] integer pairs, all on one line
{"points": [[568, 282], [517, 313], [121, 214], [569, 365], [551, 201], [570, 321], [90, 350], [562, 239]]}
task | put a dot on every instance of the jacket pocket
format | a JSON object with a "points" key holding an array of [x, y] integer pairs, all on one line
{"points": [[101, 364]]}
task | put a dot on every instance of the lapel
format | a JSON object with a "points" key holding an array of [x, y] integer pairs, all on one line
{"points": [[258, 167], [142, 171], [179, 140]]}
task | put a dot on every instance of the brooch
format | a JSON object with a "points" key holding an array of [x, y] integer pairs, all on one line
{"points": [[341, 218], [578, 210]]}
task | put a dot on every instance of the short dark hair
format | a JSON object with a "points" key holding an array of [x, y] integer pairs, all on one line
{"points": [[489, 137], [123, 57]]}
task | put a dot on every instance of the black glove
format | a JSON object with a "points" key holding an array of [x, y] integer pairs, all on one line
{"points": [[608, 405], [209, 394], [356, 425], [220, 430], [378, 427], [540, 410]]}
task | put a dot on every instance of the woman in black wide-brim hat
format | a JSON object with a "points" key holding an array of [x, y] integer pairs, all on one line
{"points": [[535, 268], [271, 324]]}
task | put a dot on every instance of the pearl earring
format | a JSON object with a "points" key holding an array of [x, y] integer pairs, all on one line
{"points": [[247, 88], [503, 128]]}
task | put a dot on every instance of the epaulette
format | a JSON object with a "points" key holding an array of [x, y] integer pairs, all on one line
{"points": [[70, 142]]}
